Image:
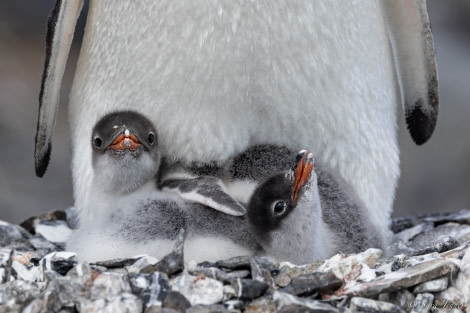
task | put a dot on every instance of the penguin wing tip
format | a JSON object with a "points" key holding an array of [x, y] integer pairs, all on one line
{"points": [[41, 160], [234, 210], [222, 202], [421, 120]]}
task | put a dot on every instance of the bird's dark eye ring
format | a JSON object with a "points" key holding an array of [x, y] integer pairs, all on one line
{"points": [[150, 138], [279, 207], [97, 142]]}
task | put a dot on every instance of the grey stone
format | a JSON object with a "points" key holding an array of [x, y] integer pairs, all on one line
{"points": [[141, 263], [28, 274], [359, 304], [399, 247], [49, 277], [398, 262], [30, 223], [248, 289], [108, 285], [7, 261], [282, 279], [5, 255], [266, 264], [198, 289], [157, 309], [235, 263], [40, 243], [262, 270], [404, 278], [172, 263], [435, 285], [449, 299], [60, 293], [448, 309], [176, 301], [443, 244], [463, 278], [459, 232], [121, 271], [414, 260], [402, 223], [18, 292], [116, 263], [34, 307], [81, 272], [342, 265], [297, 308], [235, 305], [60, 262], [152, 288], [422, 304], [229, 292], [401, 298], [458, 252], [125, 302], [261, 305], [214, 308], [215, 273], [287, 302], [410, 233], [315, 282], [54, 231], [10, 234]]}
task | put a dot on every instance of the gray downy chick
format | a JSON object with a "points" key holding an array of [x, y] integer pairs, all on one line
{"points": [[300, 215], [130, 216]]}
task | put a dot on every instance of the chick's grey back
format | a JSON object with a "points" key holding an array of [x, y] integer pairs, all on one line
{"points": [[152, 219], [163, 219]]}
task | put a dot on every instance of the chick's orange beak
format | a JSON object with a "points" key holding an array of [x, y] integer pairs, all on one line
{"points": [[125, 141], [302, 172]]}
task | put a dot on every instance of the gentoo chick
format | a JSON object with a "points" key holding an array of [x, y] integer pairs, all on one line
{"points": [[130, 216], [299, 216]]}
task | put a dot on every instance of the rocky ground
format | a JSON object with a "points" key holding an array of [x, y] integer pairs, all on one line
{"points": [[428, 272]]}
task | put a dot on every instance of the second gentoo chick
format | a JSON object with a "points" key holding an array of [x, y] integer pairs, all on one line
{"points": [[299, 216], [130, 216]]}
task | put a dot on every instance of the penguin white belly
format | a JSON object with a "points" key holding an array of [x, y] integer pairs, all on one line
{"points": [[217, 77]]}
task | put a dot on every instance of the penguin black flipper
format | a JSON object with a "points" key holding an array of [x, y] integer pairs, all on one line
{"points": [[209, 191], [60, 29], [415, 60]]}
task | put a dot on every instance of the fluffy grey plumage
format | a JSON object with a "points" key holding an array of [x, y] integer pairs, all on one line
{"points": [[131, 216], [323, 220], [225, 187]]}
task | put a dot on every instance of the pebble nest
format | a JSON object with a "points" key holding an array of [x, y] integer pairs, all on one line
{"points": [[428, 271]]}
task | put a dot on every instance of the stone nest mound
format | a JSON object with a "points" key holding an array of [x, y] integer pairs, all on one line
{"points": [[428, 270]]}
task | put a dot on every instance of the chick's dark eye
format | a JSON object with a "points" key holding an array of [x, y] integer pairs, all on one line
{"points": [[279, 207], [97, 142], [150, 138]]}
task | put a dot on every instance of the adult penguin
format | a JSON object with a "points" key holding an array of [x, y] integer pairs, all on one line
{"points": [[219, 76]]}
